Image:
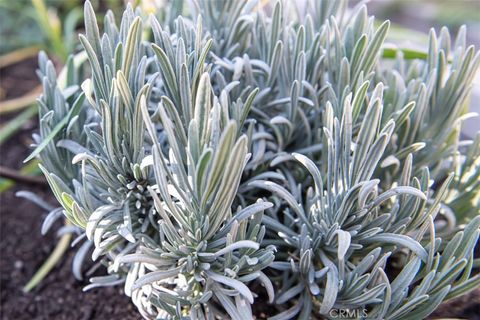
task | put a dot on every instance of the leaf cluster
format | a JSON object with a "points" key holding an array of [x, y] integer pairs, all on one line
{"points": [[238, 151]]}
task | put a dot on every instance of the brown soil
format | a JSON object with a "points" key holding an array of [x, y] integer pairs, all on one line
{"points": [[464, 307], [23, 249], [18, 79]]}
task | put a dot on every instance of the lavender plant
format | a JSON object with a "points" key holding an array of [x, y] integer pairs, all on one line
{"points": [[241, 151]]}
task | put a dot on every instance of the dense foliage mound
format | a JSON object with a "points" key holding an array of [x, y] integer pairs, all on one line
{"points": [[229, 154]]}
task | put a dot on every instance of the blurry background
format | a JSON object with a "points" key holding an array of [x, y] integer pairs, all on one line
{"points": [[412, 20], [28, 26]]}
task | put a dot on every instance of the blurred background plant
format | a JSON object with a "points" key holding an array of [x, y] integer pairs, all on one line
{"points": [[26, 27], [412, 20]]}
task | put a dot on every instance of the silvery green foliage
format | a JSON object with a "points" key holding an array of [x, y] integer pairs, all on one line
{"points": [[429, 100], [243, 151], [463, 199], [167, 218], [344, 230]]}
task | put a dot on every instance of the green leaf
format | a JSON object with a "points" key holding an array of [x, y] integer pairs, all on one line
{"points": [[75, 110]]}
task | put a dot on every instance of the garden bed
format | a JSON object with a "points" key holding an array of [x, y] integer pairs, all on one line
{"points": [[24, 249]]}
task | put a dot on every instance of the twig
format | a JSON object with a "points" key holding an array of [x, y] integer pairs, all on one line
{"points": [[29, 170], [20, 103], [19, 177], [17, 56]]}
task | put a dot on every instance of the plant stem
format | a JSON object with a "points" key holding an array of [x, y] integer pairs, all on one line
{"points": [[52, 260], [407, 53], [18, 176]]}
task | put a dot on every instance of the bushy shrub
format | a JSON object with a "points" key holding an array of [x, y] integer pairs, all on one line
{"points": [[237, 156]]}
